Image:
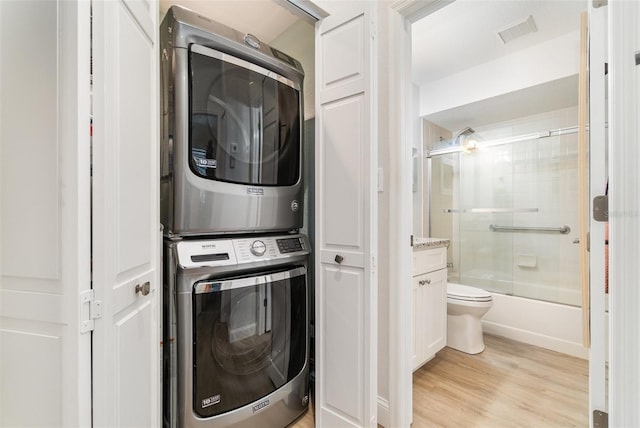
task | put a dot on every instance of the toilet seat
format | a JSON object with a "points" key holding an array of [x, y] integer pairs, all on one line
{"points": [[465, 293]]}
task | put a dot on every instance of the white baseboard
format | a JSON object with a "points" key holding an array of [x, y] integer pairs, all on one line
{"points": [[383, 412]]}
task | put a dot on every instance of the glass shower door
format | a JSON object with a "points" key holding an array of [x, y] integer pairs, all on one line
{"points": [[511, 213], [486, 199]]}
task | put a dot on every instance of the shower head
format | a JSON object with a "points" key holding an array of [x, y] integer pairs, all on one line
{"points": [[465, 131], [464, 140]]}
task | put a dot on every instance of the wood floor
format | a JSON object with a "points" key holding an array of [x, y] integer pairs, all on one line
{"points": [[510, 384]]}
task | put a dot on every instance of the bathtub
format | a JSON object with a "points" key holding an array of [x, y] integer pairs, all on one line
{"points": [[548, 325]]}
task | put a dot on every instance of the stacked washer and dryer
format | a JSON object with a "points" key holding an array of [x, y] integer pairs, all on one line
{"points": [[236, 299]]}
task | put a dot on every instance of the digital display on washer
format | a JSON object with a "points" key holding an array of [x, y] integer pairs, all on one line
{"points": [[249, 338], [289, 245]]}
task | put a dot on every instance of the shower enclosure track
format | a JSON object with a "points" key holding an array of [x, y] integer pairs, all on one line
{"points": [[508, 140]]}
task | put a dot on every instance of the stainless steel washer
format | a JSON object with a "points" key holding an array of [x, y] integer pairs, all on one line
{"points": [[236, 333]]}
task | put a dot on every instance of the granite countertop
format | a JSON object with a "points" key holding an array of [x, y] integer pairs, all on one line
{"points": [[423, 243]]}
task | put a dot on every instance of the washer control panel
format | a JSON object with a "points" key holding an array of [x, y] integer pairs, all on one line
{"points": [[290, 245], [236, 251], [269, 247], [258, 248]]}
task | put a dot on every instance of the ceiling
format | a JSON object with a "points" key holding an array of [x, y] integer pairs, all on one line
{"points": [[264, 19], [464, 34]]}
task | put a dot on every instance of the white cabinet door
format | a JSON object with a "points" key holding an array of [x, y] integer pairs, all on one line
{"points": [[429, 315], [45, 362], [435, 317], [346, 286], [126, 235]]}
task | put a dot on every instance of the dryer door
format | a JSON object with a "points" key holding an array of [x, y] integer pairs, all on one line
{"points": [[250, 338], [244, 121]]}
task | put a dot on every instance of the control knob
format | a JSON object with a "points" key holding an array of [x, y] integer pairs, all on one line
{"points": [[258, 248]]}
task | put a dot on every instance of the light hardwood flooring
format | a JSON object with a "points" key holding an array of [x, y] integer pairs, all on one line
{"points": [[509, 384]]}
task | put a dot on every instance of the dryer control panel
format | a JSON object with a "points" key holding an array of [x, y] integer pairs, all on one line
{"points": [[236, 251]]}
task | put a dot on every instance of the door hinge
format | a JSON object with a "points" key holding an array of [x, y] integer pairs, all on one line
{"points": [[90, 310], [600, 419], [601, 208]]}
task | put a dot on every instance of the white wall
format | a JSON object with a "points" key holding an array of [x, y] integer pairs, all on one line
{"points": [[548, 61], [298, 41]]}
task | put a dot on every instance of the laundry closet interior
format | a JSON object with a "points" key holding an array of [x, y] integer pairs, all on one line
{"points": [[237, 296]]}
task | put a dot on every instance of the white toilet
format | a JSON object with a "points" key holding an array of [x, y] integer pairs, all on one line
{"points": [[465, 308]]}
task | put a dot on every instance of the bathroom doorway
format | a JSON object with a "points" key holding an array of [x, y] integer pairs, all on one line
{"points": [[496, 159]]}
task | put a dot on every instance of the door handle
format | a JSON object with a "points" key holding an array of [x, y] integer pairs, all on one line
{"points": [[143, 289], [338, 259], [424, 282]]}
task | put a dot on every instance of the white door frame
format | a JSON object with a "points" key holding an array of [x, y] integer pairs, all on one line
{"points": [[401, 14], [625, 17], [597, 183], [624, 226]]}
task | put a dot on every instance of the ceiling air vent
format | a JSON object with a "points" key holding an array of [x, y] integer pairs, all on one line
{"points": [[517, 29]]}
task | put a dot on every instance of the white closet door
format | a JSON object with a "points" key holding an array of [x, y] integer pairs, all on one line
{"points": [[346, 285], [45, 362], [126, 235]]}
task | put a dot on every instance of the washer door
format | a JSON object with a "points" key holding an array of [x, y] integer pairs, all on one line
{"points": [[250, 337]]}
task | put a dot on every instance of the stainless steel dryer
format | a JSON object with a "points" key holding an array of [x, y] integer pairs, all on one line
{"points": [[236, 332], [231, 131]]}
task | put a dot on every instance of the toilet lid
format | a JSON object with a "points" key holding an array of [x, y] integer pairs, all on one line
{"points": [[466, 293]]}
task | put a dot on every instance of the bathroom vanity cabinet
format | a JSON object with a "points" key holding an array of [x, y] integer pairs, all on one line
{"points": [[429, 302]]}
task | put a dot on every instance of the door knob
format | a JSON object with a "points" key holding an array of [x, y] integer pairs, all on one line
{"points": [[143, 289], [339, 259]]}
